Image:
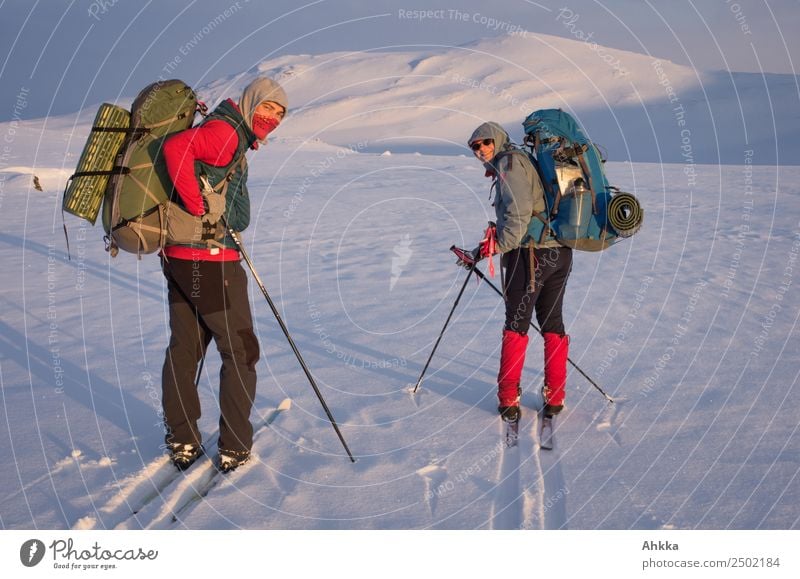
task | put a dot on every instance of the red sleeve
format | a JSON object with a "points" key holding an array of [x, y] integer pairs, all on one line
{"points": [[214, 143]]}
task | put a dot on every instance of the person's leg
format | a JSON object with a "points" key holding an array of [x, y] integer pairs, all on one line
{"points": [[232, 328], [187, 342], [554, 266], [519, 310]]}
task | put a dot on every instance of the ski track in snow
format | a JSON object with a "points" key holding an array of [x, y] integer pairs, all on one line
{"points": [[159, 496], [554, 486], [530, 488], [182, 502], [507, 504], [134, 492], [532, 484], [158, 515], [197, 487]]}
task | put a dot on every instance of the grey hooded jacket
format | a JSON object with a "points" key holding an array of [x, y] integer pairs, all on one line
{"points": [[518, 189]]}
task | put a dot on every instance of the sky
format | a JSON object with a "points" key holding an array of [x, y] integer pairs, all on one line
{"points": [[66, 55]]}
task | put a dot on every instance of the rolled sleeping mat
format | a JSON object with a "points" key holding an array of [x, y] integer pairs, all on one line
{"points": [[625, 214], [85, 190]]}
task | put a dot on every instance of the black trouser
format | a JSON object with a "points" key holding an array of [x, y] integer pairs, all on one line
{"points": [[551, 268], [208, 300]]}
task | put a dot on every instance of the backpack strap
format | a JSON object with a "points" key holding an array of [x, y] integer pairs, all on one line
{"points": [[143, 186], [510, 154], [222, 186], [546, 230], [556, 201], [166, 122], [588, 174], [544, 217], [114, 171], [548, 186], [212, 235], [532, 266]]}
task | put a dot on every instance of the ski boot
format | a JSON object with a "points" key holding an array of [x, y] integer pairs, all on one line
{"points": [[230, 460], [184, 455]]}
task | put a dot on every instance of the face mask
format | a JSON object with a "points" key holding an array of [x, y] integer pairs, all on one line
{"points": [[263, 126]]}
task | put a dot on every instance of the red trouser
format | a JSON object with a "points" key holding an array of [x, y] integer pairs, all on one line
{"points": [[556, 350], [512, 359]]}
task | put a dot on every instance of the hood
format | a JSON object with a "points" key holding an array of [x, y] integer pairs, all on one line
{"points": [[260, 90], [492, 130]]}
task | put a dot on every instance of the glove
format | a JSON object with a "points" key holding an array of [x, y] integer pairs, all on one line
{"points": [[466, 259], [488, 245], [214, 204]]}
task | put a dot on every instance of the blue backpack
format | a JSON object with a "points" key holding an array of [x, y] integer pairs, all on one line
{"points": [[583, 211]]}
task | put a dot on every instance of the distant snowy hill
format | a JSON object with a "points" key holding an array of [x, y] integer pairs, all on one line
{"points": [[637, 107]]}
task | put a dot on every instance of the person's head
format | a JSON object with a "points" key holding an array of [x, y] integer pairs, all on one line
{"points": [[483, 149], [488, 140], [263, 105]]}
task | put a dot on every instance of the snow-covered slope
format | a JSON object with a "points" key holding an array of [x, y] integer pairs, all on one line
{"points": [[638, 107], [690, 326], [428, 99]]}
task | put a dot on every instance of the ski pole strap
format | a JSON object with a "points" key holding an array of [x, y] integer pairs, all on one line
{"points": [[488, 246]]}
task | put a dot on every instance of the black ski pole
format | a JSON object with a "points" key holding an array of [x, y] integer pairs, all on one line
{"points": [[202, 360], [240, 245], [439, 339], [199, 372], [479, 273]]}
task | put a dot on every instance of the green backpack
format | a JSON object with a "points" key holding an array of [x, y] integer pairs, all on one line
{"points": [[122, 167], [135, 204]]}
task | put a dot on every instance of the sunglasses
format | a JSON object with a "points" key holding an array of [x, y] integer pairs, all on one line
{"points": [[478, 144]]}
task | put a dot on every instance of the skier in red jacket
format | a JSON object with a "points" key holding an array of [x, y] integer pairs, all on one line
{"points": [[206, 283]]}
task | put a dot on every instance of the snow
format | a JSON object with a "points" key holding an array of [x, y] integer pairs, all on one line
{"points": [[690, 326], [431, 100]]}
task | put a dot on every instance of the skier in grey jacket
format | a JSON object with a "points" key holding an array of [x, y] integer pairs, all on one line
{"points": [[536, 270]]}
